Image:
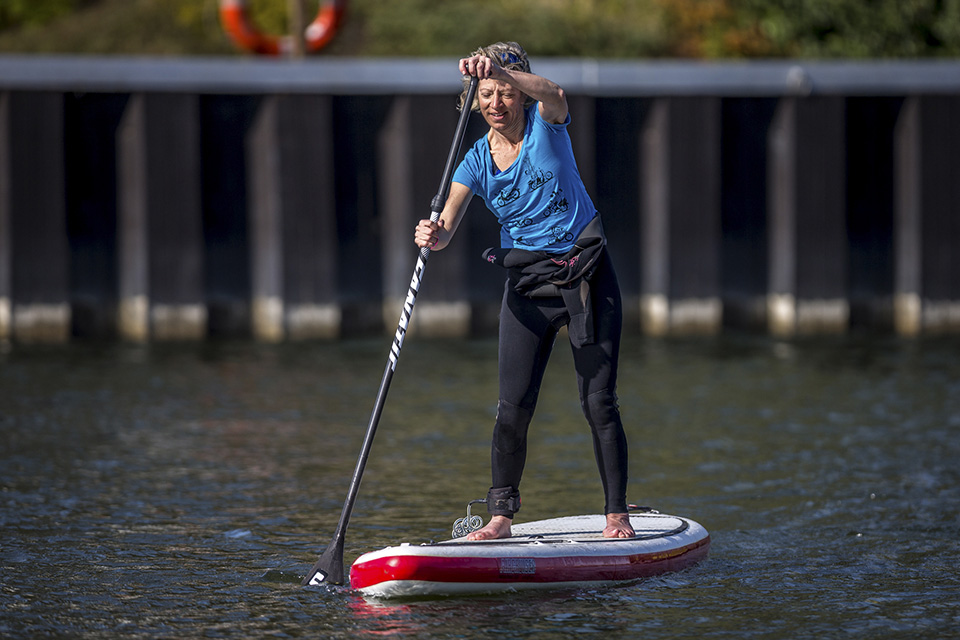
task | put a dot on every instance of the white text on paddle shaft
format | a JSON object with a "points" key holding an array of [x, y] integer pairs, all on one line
{"points": [[405, 313]]}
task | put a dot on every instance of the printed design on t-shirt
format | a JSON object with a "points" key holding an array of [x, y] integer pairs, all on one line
{"points": [[537, 178], [560, 235], [507, 196], [558, 204]]}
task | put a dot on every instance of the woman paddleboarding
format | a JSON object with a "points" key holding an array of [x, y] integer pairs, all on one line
{"points": [[559, 272]]}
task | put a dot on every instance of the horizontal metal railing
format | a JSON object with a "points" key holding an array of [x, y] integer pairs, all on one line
{"points": [[414, 76]]}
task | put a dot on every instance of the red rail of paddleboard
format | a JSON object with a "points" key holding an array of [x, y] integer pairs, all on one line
{"points": [[424, 568]]}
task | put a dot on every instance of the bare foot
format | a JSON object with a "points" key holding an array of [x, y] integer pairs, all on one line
{"points": [[618, 526], [498, 527]]}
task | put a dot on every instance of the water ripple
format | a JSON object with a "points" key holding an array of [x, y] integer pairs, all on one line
{"points": [[183, 491]]}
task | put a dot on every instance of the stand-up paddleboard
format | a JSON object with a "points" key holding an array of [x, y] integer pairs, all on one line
{"points": [[560, 552]]}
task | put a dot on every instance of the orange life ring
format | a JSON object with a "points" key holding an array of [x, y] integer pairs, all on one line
{"points": [[237, 24]]}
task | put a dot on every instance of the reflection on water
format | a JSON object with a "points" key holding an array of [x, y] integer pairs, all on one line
{"points": [[182, 490]]}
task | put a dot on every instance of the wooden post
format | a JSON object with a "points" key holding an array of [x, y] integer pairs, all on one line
{"points": [[266, 225], [133, 321], [311, 259], [680, 215], [412, 154], [397, 208], [38, 253], [927, 231], [6, 246], [807, 218], [292, 220], [160, 230]]}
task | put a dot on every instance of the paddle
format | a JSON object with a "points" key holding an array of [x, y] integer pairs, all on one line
{"points": [[329, 568]]}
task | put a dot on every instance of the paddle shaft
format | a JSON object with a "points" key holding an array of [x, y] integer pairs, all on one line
{"points": [[329, 568]]}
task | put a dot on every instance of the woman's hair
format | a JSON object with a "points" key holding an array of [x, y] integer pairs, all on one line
{"points": [[508, 55]]}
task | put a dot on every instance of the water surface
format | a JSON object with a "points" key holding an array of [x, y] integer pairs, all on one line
{"points": [[181, 491]]}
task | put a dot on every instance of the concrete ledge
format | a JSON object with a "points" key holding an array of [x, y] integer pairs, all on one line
{"points": [[822, 316], [692, 316], [179, 322], [654, 315], [314, 321], [134, 321], [267, 318], [432, 319], [6, 327], [941, 316], [787, 316], [41, 323], [781, 314]]}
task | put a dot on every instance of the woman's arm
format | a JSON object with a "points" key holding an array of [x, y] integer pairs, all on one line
{"points": [[437, 235], [552, 99]]}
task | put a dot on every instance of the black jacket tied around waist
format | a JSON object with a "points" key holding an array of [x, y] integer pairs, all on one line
{"points": [[538, 274]]}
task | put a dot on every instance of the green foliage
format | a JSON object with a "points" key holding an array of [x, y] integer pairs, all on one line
{"points": [[130, 27], [857, 28], [270, 16], [566, 28], [32, 12], [600, 28]]}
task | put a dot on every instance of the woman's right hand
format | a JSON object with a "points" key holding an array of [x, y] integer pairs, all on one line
{"points": [[427, 233], [480, 66]]}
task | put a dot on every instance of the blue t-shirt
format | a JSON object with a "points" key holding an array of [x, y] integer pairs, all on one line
{"points": [[539, 200]]}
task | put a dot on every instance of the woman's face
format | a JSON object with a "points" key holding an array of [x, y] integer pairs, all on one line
{"points": [[500, 104]]}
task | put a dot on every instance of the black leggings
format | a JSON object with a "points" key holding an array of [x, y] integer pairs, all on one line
{"points": [[528, 329]]}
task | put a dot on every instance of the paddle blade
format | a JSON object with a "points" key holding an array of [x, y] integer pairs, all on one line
{"points": [[328, 569]]}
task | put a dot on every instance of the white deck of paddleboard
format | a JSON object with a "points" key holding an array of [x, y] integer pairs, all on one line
{"points": [[575, 537]]}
